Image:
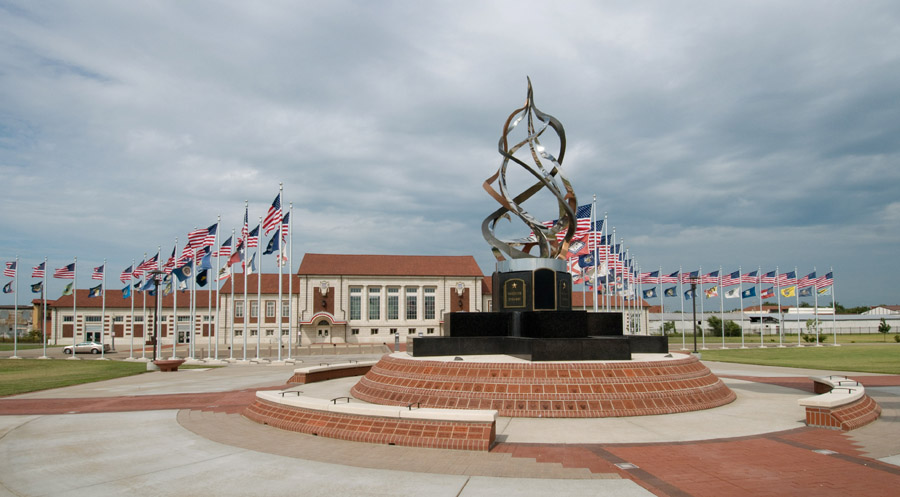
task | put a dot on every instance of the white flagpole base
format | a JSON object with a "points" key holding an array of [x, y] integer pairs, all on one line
{"points": [[103, 359], [73, 358], [14, 357], [43, 357]]}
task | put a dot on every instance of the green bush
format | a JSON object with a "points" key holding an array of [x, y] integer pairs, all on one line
{"points": [[732, 329]]}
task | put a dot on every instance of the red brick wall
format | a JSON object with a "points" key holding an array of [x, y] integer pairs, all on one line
{"points": [[396, 431], [578, 389], [845, 418]]}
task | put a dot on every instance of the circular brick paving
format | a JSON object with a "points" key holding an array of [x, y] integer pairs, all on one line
{"points": [[584, 389]]}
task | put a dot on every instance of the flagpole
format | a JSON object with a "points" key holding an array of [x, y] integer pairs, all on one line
{"points": [[103, 311], [233, 306], [797, 296], [290, 279], [593, 238], [44, 313], [759, 290], [702, 312], [174, 304], [722, 305], [131, 294], [157, 309], [833, 308], [74, 303], [259, 307], [616, 271], [192, 335], [16, 311], [214, 318], [603, 233], [278, 306], [780, 317], [681, 298], [741, 296], [662, 304], [144, 317], [816, 309]]}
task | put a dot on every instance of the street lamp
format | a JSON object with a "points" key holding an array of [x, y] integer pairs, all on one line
{"points": [[157, 275]]}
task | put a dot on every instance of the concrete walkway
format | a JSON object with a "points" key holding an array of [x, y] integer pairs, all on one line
{"points": [[180, 433]]}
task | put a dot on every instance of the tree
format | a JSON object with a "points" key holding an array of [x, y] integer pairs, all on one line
{"points": [[668, 327], [884, 329], [732, 329]]}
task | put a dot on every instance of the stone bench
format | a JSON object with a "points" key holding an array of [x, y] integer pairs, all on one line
{"points": [[168, 365], [373, 423], [330, 371], [842, 404]]}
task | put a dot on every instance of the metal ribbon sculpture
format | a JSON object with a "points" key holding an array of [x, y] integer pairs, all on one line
{"points": [[553, 180]]}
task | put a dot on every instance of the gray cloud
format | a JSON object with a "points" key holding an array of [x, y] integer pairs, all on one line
{"points": [[739, 133]]}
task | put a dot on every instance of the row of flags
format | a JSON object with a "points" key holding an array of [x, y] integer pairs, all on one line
{"points": [[193, 260], [785, 284]]}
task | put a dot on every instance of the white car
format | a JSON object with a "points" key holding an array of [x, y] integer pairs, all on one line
{"points": [[87, 347]]}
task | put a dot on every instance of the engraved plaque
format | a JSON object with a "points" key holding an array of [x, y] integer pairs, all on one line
{"points": [[514, 293]]}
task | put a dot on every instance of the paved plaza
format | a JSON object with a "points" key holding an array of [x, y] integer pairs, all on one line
{"points": [[182, 434]]}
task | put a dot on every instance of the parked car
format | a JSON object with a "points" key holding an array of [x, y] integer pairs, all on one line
{"points": [[87, 347]]}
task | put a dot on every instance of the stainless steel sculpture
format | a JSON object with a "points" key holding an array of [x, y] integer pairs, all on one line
{"points": [[549, 177]]}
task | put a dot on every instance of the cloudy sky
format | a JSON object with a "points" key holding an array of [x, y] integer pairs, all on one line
{"points": [[751, 134]]}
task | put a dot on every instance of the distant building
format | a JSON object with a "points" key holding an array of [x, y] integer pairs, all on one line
{"points": [[8, 320], [883, 310]]}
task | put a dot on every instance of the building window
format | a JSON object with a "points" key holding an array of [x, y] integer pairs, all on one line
{"points": [[412, 299], [374, 303], [429, 331], [239, 309], [184, 319], [285, 309], [354, 331], [393, 331], [118, 319], [285, 333], [411, 331], [253, 333], [238, 333], [67, 319], [207, 318], [429, 303], [393, 303], [270, 308], [373, 331], [356, 303], [270, 333], [139, 319], [92, 319], [254, 308]]}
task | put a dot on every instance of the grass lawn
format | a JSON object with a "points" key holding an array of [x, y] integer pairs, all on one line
{"points": [[28, 375], [788, 339], [8, 346], [864, 358]]}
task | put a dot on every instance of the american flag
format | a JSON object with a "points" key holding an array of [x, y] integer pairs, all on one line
{"points": [[98, 273], [38, 271], [187, 253], [670, 278], [767, 293], [210, 239], [692, 277], [253, 238], [768, 277], [197, 237], [649, 278], [246, 228], [65, 272], [170, 264], [731, 279], [750, 277], [225, 250], [787, 279], [201, 253], [144, 266], [125, 277], [285, 226], [712, 277], [808, 280], [10, 269], [273, 217], [582, 223], [824, 281]]}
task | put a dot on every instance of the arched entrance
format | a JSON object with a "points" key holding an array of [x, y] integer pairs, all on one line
{"points": [[323, 331]]}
